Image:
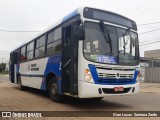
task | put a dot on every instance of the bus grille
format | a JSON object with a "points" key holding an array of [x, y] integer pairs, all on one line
{"points": [[114, 76], [116, 81]]}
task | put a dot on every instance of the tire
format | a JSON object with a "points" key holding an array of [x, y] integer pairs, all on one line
{"points": [[20, 86], [53, 90]]}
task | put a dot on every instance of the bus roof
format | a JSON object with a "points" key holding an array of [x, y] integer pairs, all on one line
{"points": [[67, 17], [70, 15]]}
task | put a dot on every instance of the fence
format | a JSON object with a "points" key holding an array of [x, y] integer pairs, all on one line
{"points": [[152, 75]]}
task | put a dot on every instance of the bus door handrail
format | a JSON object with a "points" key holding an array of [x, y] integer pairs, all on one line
{"points": [[67, 63]]}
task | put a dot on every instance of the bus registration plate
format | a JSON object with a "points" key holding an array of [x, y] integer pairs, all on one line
{"points": [[118, 89]]}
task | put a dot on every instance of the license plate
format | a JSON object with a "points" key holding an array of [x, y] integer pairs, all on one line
{"points": [[118, 89]]}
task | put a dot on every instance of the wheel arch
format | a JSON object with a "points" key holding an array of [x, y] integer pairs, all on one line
{"points": [[50, 75]]}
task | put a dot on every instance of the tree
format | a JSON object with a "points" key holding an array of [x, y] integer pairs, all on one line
{"points": [[2, 67]]}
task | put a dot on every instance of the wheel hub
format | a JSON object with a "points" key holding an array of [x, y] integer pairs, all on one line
{"points": [[54, 89]]}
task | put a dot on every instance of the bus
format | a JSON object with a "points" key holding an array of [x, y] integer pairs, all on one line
{"points": [[90, 53]]}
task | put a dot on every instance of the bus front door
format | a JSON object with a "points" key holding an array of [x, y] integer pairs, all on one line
{"points": [[69, 60]]}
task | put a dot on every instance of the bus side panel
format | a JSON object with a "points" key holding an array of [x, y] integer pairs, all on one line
{"points": [[54, 67], [32, 72]]}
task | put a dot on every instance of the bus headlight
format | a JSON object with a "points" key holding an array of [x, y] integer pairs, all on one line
{"points": [[88, 76]]}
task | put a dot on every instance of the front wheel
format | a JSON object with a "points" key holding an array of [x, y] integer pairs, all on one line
{"points": [[53, 90]]}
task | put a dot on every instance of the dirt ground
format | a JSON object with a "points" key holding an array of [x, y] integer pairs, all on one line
{"points": [[150, 88], [11, 99]]}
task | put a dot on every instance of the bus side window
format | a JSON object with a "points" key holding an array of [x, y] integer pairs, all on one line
{"points": [[30, 48], [23, 54], [50, 41], [58, 40], [54, 42], [40, 47]]}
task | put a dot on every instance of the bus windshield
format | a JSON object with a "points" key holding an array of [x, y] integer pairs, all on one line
{"points": [[124, 46]]}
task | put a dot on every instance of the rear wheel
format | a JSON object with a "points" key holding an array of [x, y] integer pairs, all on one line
{"points": [[20, 86], [53, 90]]}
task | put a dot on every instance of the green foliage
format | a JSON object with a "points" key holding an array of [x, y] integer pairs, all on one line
{"points": [[2, 67]]}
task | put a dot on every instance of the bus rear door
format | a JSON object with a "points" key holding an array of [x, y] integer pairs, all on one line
{"points": [[13, 62]]}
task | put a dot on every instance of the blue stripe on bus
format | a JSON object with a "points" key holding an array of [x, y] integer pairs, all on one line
{"points": [[135, 75], [43, 84], [93, 72], [53, 66], [32, 75], [72, 14], [96, 78]]}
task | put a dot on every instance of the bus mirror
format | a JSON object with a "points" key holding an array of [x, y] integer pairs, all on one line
{"points": [[80, 33]]}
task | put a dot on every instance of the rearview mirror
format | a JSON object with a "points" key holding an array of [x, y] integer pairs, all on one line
{"points": [[80, 33]]}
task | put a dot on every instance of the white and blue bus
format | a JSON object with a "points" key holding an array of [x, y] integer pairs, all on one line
{"points": [[90, 53]]}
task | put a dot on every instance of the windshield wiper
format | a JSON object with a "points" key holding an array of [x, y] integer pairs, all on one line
{"points": [[106, 35]]}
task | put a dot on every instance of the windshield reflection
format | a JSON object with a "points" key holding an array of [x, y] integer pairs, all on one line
{"points": [[124, 46]]}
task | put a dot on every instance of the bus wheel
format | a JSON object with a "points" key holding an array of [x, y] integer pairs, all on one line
{"points": [[20, 86], [53, 90]]}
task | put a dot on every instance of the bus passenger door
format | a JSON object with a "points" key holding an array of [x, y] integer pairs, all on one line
{"points": [[69, 60], [13, 61]]}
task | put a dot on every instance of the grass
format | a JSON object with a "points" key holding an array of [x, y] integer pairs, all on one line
{"points": [[3, 73]]}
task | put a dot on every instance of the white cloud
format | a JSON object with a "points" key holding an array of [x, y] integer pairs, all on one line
{"points": [[39, 14]]}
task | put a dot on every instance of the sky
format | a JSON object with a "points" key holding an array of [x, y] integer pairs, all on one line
{"points": [[36, 15]]}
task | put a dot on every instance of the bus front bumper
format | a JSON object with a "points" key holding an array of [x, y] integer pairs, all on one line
{"points": [[90, 90]]}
